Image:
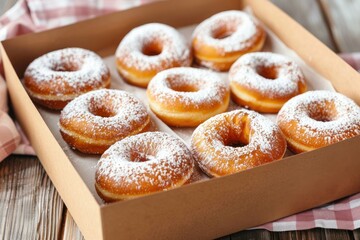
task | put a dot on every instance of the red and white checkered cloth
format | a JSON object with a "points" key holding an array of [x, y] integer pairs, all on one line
{"points": [[36, 15]]}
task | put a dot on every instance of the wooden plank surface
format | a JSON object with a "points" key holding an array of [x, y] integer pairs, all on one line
{"points": [[71, 231], [356, 234], [335, 234], [308, 14], [5, 5], [32, 209], [30, 206], [345, 23]]}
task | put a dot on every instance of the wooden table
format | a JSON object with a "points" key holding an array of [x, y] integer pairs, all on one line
{"points": [[32, 209]]}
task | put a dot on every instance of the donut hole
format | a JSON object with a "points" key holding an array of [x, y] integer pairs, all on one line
{"points": [[67, 64], [181, 86], [238, 134], [267, 72], [237, 144], [185, 88], [137, 156], [236, 140], [102, 112], [323, 112], [152, 48], [322, 117], [65, 68], [102, 107], [224, 31]]}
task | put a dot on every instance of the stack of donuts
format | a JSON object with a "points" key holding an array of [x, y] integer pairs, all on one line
{"points": [[184, 89]]}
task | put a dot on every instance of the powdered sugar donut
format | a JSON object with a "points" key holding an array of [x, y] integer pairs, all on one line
{"points": [[149, 49], [234, 141], [57, 77], [143, 164], [96, 120], [218, 41], [318, 118], [187, 96], [264, 81]]}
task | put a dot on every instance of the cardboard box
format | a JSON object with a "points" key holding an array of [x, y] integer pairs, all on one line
{"points": [[206, 209]]}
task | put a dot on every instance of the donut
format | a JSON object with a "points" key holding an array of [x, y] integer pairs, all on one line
{"points": [[235, 141], [317, 119], [221, 39], [56, 78], [186, 97], [149, 49], [264, 81], [95, 120], [143, 164]]}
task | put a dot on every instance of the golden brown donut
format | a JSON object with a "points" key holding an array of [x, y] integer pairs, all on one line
{"points": [[57, 77], [318, 118], [220, 40], [92, 122], [149, 49], [235, 141], [143, 164], [264, 81], [186, 97]]}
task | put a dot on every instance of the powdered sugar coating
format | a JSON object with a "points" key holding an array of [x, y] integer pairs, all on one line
{"points": [[174, 48], [244, 73], [126, 115], [244, 25], [338, 118], [210, 89], [66, 71], [211, 142], [145, 163]]}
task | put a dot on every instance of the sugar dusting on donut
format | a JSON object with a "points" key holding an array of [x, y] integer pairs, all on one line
{"points": [[211, 88], [240, 39], [174, 47], [289, 74], [263, 134], [88, 68], [346, 119], [210, 136], [171, 159], [131, 113]]}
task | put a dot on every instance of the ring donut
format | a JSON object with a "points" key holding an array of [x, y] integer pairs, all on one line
{"points": [[264, 81], [57, 77], [316, 119], [149, 49], [143, 164], [94, 121], [186, 97], [220, 40], [235, 141]]}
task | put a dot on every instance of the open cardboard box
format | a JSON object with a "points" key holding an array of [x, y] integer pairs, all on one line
{"points": [[205, 209]]}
